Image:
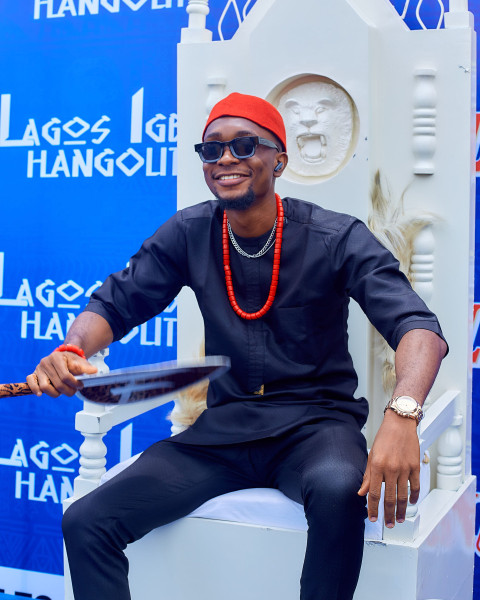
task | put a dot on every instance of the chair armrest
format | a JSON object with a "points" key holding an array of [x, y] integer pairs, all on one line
{"points": [[99, 418], [93, 422], [438, 418]]}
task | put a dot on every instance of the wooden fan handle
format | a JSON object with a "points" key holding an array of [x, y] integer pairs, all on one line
{"points": [[14, 389]]}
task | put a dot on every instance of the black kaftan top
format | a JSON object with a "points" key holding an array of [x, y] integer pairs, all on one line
{"points": [[298, 351]]}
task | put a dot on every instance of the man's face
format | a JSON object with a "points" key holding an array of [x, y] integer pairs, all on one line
{"points": [[238, 183]]}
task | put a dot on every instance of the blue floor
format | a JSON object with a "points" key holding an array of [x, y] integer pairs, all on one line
{"points": [[8, 597]]}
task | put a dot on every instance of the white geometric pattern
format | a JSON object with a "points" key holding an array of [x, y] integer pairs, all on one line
{"points": [[233, 13], [238, 14], [432, 6]]}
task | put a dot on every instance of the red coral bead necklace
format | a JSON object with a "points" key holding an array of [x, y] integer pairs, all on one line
{"points": [[275, 271]]}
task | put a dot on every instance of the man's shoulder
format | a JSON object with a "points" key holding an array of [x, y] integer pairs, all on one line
{"points": [[203, 210], [318, 217]]}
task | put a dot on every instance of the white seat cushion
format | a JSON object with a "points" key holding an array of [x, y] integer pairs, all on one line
{"points": [[257, 506], [269, 507]]}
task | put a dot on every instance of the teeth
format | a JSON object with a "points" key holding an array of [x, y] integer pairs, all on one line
{"points": [[224, 177]]}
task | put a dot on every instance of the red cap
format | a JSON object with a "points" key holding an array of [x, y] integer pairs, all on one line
{"points": [[252, 108]]}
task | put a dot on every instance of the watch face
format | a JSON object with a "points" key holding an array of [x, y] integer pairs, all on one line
{"points": [[406, 404]]}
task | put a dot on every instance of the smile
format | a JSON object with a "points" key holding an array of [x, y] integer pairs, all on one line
{"points": [[225, 177]]}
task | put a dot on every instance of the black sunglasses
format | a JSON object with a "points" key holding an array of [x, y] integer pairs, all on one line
{"points": [[241, 147]]}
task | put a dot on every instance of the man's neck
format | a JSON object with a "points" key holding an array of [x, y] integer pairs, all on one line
{"points": [[255, 220]]}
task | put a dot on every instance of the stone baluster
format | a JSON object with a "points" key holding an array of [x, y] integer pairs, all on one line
{"points": [[197, 17], [458, 6], [421, 267], [458, 16], [424, 121], [421, 270], [92, 463], [450, 449], [93, 450]]}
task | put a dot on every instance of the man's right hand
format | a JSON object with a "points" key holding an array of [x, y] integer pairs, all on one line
{"points": [[55, 373]]}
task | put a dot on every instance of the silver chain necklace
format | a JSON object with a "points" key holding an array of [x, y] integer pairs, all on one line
{"points": [[269, 243]]}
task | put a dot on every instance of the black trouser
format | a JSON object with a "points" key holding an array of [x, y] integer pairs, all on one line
{"points": [[319, 465]]}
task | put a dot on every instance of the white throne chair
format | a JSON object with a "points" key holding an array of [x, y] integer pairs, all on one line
{"points": [[406, 100]]}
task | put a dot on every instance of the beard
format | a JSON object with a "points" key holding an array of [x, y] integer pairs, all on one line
{"points": [[241, 203]]}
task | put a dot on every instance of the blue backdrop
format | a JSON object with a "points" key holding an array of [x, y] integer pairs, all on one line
{"points": [[88, 166], [87, 170]]}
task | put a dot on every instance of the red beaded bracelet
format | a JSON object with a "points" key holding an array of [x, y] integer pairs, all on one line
{"points": [[71, 348]]}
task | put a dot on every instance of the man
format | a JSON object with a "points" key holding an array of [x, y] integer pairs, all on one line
{"points": [[273, 279]]}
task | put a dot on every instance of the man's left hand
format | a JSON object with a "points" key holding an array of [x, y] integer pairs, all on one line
{"points": [[394, 459]]}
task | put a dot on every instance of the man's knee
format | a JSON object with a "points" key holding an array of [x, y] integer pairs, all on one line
{"points": [[78, 519], [333, 487]]}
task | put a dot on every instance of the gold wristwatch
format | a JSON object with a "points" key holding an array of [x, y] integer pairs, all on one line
{"points": [[405, 406]]}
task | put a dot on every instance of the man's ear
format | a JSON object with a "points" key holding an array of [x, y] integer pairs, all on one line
{"points": [[282, 161]]}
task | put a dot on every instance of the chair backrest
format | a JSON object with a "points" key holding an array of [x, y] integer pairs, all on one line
{"points": [[386, 100]]}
